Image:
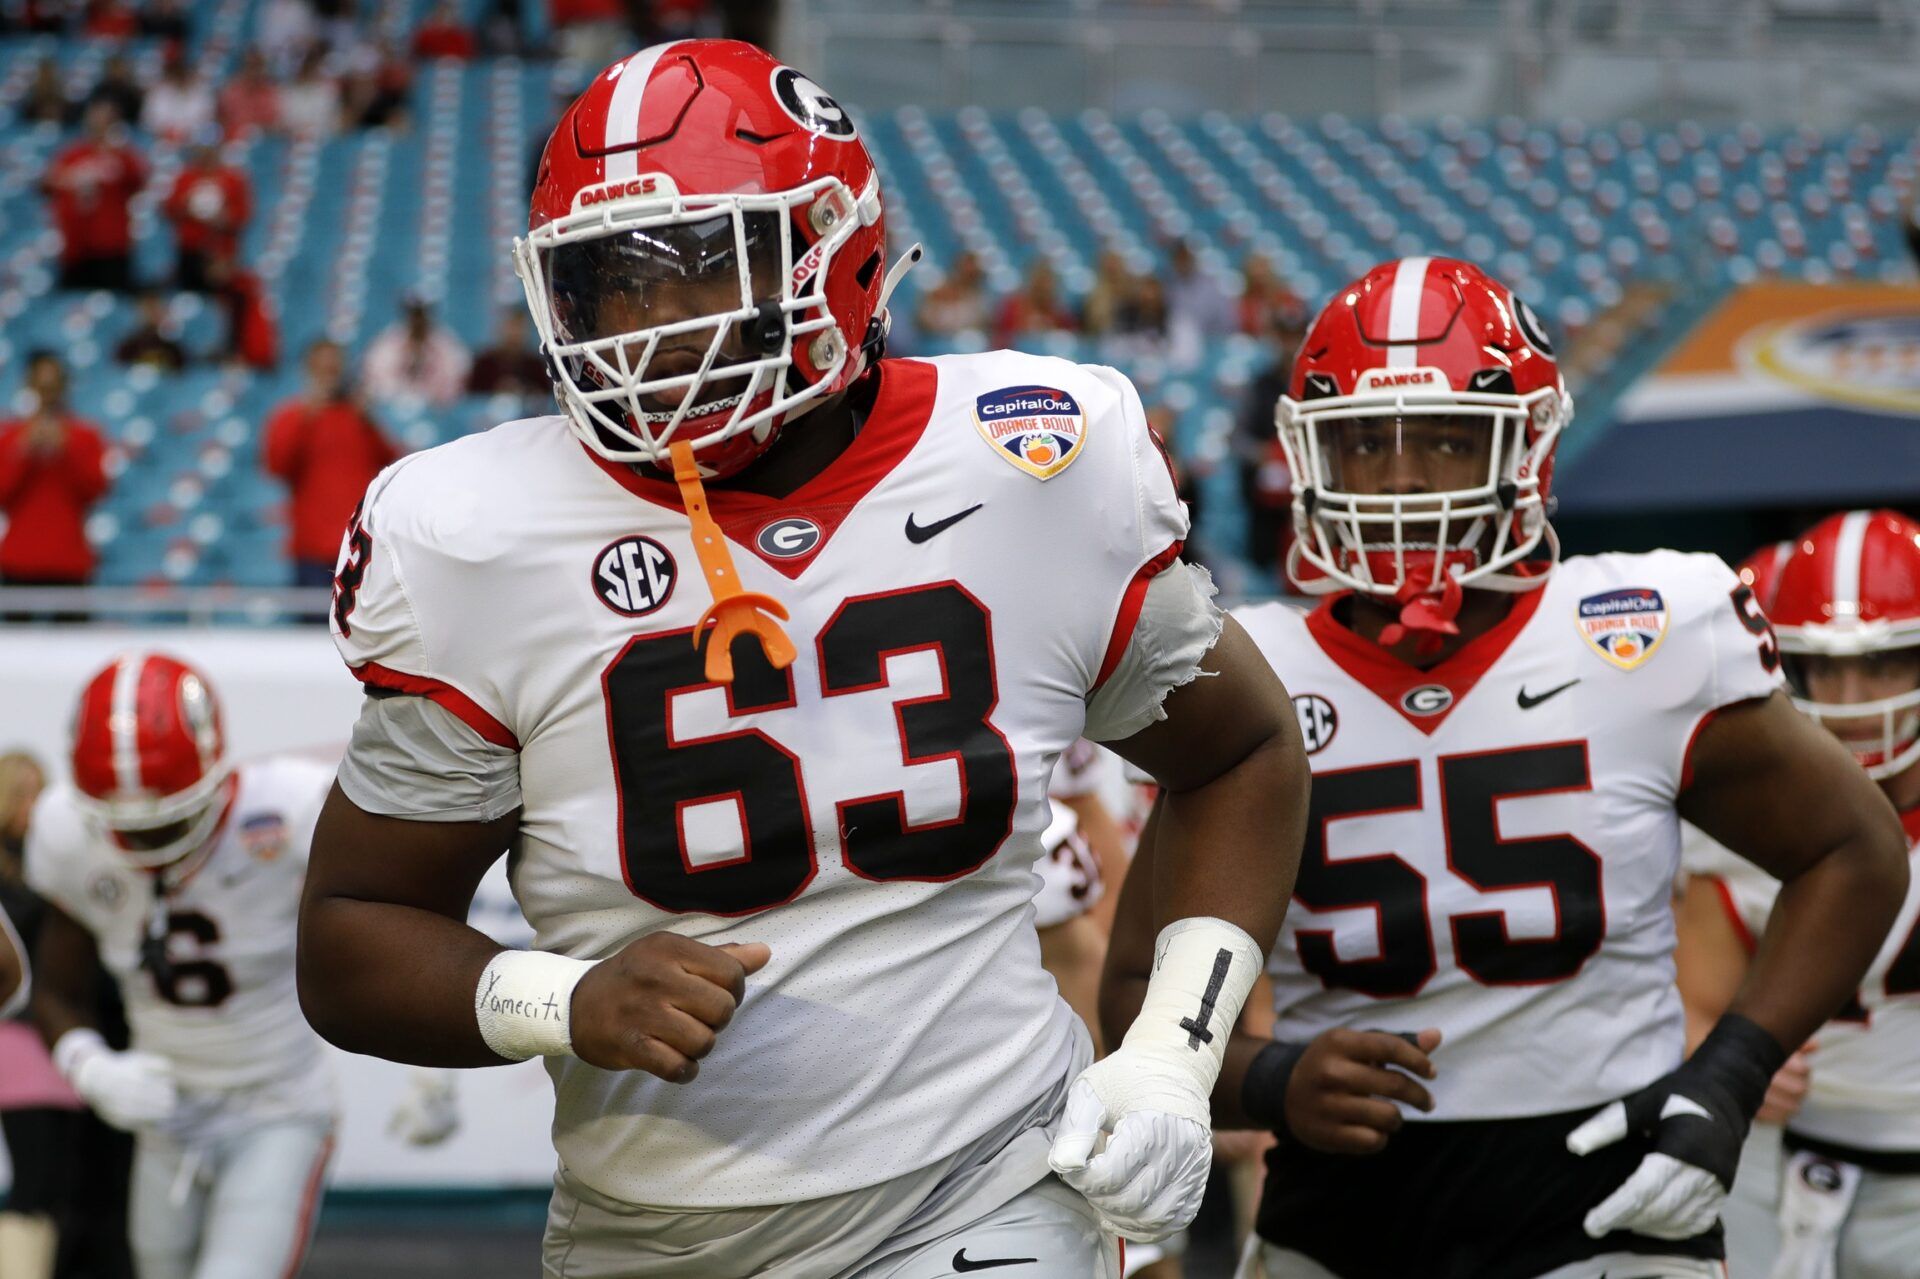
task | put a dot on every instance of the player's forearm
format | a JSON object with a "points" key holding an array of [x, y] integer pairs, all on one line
{"points": [[1123, 987], [1230, 848], [393, 981], [55, 1012], [1828, 923]]}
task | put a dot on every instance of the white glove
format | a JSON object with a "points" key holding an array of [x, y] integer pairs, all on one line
{"points": [[428, 1113], [1150, 1096], [129, 1090], [1664, 1198], [1147, 1183], [1696, 1119]]}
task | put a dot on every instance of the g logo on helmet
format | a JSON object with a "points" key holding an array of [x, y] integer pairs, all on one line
{"points": [[1530, 327], [1427, 699], [811, 107]]}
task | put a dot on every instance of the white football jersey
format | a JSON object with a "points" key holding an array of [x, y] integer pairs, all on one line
{"points": [[222, 1009], [1492, 842], [1865, 1088], [959, 581]]}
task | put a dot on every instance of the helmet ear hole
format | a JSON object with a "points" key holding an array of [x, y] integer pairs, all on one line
{"points": [[868, 269]]}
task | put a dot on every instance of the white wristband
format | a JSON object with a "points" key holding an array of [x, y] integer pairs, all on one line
{"points": [[524, 1003], [1202, 970]]}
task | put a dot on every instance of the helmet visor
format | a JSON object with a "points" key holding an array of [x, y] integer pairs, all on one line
{"points": [[632, 280], [1870, 701], [1407, 454]]}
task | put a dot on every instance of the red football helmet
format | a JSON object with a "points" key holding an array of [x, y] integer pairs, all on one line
{"points": [[1761, 571], [149, 758], [704, 255], [1429, 356], [1852, 589]]}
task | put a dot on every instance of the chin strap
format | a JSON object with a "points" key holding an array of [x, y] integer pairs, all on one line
{"points": [[1425, 614], [733, 612]]}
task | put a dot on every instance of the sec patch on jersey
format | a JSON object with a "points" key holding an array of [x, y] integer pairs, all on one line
{"points": [[1624, 626], [1038, 429]]}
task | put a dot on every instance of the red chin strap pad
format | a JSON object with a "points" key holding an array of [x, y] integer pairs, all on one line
{"points": [[1425, 614]]}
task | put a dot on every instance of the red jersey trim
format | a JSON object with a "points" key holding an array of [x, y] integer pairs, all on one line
{"points": [[1391, 679], [1733, 912], [1129, 615], [463, 708], [902, 408]]}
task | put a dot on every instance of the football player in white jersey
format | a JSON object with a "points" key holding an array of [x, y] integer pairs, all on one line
{"points": [[758, 657], [179, 874], [1475, 980], [1846, 1196]]}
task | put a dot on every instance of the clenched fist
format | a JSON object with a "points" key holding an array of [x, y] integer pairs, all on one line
{"points": [[660, 1003], [1335, 1092]]}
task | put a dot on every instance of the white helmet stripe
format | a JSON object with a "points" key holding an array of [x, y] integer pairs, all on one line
{"points": [[123, 723], [1847, 550], [1782, 552], [1403, 312], [623, 113]]}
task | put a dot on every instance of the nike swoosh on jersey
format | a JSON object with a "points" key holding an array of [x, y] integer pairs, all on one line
{"points": [[918, 533], [962, 1264], [1529, 701]]}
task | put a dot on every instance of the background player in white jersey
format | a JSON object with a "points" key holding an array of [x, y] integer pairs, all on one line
{"points": [[1502, 748], [1846, 1197], [787, 983], [179, 874], [1084, 855]]}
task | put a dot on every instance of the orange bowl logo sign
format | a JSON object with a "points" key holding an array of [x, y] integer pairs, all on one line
{"points": [[1039, 429], [1865, 357]]}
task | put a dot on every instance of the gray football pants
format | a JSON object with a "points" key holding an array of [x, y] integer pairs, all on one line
{"points": [[874, 1233], [241, 1206], [1881, 1237]]}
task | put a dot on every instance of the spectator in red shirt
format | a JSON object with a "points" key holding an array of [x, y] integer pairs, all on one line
{"points": [[443, 35], [1036, 308], [111, 20], [511, 366], [250, 102], [327, 449], [90, 185], [253, 336], [209, 207], [52, 469]]}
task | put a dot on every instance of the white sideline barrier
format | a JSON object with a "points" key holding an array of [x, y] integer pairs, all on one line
{"points": [[285, 690]]}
